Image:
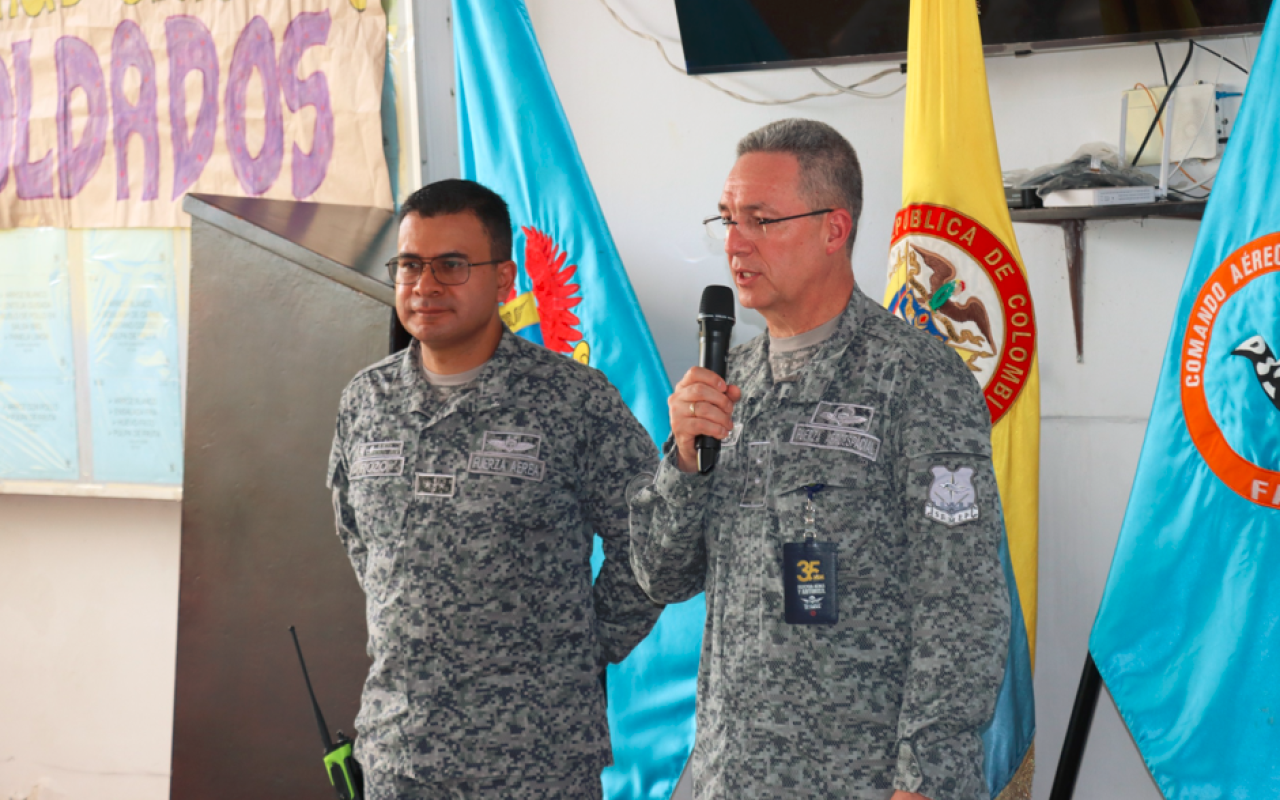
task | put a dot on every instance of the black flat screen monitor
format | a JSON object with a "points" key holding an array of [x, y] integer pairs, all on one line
{"points": [[736, 35]]}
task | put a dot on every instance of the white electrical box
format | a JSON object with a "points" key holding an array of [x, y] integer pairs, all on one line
{"points": [[1195, 123], [1101, 196]]}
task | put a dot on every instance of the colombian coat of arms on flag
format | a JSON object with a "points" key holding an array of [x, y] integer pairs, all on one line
{"points": [[955, 272]]}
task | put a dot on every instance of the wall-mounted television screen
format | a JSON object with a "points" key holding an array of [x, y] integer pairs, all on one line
{"points": [[735, 35]]}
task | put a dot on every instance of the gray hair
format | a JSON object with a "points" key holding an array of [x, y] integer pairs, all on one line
{"points": [[830, 175]]}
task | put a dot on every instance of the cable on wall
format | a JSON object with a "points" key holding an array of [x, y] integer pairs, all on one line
{"points": [[1221, 56], [1163, 102]]}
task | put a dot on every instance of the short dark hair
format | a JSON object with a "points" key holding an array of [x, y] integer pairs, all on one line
{"points": [[829, 171], [457, 196]]}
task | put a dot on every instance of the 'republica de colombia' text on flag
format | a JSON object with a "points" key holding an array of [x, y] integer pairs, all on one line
{"points": [[1188, 634], [956, 273], [573, 296]]}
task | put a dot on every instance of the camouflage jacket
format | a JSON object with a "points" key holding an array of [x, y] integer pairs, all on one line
{"points": [[469, 522], [892, 696]]}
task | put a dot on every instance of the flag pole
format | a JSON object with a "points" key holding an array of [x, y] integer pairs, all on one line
{"points": [[1064, 780]]}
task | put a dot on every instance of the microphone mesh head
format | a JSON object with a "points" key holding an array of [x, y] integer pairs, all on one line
{"points": [[717, 301]]}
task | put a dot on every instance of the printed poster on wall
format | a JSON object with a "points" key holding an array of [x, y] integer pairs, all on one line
{"points": [[37, 364], [111, 110], [135, 392]]}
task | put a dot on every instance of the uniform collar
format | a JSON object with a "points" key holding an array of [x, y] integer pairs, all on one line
{"points": [[490, 386], [494, 381], [820, 371], [754, 365]]}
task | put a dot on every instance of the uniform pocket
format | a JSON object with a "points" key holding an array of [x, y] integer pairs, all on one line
{"points": [[845, 495], [380, 504], [855, 509]]}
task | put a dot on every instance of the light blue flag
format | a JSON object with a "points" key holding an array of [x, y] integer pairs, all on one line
{"points": [[1188, 635], [574, 297]]}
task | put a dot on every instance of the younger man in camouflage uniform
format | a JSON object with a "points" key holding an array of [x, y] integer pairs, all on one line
{"points": [[469, 473], [844, 422]]}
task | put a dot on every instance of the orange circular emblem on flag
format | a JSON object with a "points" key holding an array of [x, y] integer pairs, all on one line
{"points": [[961, 284], [1251, 481]]}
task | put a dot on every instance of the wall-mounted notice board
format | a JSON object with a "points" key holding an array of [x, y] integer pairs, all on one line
{"points": [[91, 361]]}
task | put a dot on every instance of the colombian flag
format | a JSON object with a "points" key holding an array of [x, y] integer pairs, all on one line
{"points": [[955, 272]]}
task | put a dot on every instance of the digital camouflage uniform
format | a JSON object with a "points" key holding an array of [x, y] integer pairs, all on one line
{"points": [[468, 517], [894, 695]]}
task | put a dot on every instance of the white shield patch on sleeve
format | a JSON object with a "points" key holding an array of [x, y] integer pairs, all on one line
{"points": [[952, 499]]}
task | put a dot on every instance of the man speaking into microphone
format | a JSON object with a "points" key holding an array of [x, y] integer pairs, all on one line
{"points": [[848, 536]]}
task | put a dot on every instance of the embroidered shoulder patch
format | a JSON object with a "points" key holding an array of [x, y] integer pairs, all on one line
{"points": [[839, 426], [952, 499]]}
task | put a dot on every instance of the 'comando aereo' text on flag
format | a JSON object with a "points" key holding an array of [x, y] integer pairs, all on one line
{"points": [[573, 296], [1188, 634], [956, 273]]}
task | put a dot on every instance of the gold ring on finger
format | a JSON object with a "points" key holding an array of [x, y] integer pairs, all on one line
{"points": [[693, 409]]}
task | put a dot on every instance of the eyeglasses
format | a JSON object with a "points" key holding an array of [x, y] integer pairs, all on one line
{"points": [[717, 227], [447, 270]]}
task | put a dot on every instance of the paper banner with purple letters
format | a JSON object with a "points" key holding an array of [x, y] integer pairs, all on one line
{"points": [[111, 110]]}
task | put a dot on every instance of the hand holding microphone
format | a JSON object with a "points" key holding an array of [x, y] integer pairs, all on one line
{"points": [[701, 406]]}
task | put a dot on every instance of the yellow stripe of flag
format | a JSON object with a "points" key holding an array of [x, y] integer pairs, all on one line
{"points": [[955, 271], [950, 160]]}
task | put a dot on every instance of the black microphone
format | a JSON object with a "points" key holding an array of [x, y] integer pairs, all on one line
{"points": [[715, 323]]}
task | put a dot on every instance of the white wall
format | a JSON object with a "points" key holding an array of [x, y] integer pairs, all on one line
{"points": [[88, 633], [88, 588], [658, 145]]}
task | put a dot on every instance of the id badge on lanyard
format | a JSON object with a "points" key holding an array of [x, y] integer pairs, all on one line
{"points": [[809, 573]]}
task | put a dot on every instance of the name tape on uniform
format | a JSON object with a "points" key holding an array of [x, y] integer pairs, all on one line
{"points": [[856, 442], [381, 467], [528, 469]]}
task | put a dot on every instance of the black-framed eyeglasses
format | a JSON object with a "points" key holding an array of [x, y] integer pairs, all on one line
{"points": [[717, 227], [447, 270]]}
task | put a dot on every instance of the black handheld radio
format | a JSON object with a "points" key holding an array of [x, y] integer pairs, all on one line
{"points": [[339, 761]]}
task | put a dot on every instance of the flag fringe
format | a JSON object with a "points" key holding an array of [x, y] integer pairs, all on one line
{"points": [[1019, 786]]}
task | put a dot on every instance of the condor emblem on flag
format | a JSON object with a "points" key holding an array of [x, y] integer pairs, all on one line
{"points": [[548, 303], [1225, 404]]}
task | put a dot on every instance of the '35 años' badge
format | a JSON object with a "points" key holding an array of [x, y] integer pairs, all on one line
{"points": [[810, 573]]}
